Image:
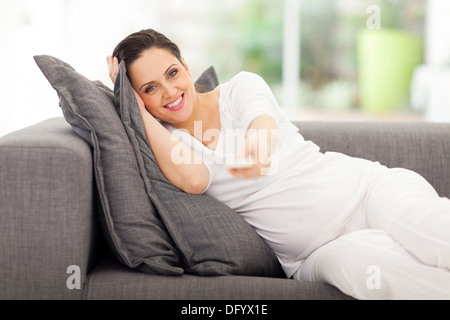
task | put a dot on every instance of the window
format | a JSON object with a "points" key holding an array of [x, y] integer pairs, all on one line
{"points": [[305, 49]]}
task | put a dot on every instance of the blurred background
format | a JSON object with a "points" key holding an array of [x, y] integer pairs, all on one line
{"points": [[326, 60]]}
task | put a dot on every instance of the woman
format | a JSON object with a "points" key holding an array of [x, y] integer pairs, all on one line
{"points": [[371, 231]]}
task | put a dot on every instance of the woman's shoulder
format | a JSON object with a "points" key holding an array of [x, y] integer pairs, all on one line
{"points": [[244, 76], [244, 82]]}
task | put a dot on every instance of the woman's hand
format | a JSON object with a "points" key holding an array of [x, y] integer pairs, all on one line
{"points": [[258, 151], [113, 68], [260, 141]]}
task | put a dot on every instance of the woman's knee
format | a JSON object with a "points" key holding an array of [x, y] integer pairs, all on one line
{"points": [[353, 263], [370, 264]]}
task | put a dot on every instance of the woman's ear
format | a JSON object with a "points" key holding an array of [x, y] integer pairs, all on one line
{"points": [[186, 66]]}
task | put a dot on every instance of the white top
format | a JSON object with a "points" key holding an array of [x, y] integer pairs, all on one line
{"points": [[284, 207]]}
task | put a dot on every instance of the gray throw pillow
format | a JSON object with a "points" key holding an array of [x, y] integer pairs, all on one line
{"points": [[213, 239], [129, 221]]}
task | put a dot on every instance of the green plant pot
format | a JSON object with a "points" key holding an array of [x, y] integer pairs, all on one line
{"points": [[386, 61]]}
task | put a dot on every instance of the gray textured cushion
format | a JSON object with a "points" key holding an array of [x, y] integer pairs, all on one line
{"points": [[214, 240], [207, 80], [129, 220]]}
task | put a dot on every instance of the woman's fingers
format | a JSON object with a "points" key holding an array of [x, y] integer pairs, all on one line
{"points": [[245, 173], [256, 170], [113, 67], [113, 70]]}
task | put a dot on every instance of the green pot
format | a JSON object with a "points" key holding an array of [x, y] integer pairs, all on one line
{"points": [[386, 61]]}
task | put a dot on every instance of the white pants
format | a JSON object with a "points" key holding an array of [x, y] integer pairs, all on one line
{"points": [[402, 250]]}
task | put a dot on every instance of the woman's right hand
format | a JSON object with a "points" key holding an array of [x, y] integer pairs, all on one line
{"points": [[113, 69]]}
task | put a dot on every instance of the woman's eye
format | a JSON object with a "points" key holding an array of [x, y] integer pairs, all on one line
{"points": [[173, 73], [150, 89]]}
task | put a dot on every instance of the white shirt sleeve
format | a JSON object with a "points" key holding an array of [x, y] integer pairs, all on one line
{"points": [[252, 97]]}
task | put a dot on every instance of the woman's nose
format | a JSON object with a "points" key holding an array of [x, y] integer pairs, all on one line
{"points": [[170, 92]]}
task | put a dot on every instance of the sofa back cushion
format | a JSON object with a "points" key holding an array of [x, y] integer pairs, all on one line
{"points": [[128, 218]]}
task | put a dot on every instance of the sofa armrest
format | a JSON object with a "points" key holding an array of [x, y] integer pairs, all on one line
{"points": [[47, 220], [423, 147]]}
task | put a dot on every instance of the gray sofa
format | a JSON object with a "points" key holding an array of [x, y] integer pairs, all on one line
{"points": [[48, 217]]}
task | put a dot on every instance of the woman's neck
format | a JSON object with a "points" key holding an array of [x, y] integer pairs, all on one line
{"points": [[205, 118]]}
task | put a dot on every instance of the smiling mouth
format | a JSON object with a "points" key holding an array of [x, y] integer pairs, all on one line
{"points": [[175, 105]]}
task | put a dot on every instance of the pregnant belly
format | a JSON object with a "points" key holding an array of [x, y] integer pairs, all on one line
{"points": [[297, 214]]}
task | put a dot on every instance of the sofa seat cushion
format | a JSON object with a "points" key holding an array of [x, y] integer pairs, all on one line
{"points": [[109, 280]]}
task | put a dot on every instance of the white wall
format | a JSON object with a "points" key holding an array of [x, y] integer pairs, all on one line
{"points": [[82, 33], [291, 55], [437, 28], [431, 81]]}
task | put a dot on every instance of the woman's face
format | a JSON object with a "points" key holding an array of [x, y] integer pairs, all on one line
{"points": [[164, 85]]}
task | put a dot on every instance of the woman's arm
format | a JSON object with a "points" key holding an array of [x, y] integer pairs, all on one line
{"points": [[260, 142], [178, 162]]}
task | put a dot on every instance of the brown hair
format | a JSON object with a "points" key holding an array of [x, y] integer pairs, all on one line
{"points": [[131, 48]]}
